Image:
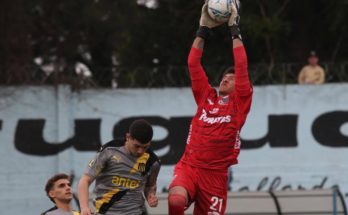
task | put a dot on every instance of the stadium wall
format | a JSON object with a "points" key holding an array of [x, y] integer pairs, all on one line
{"points": [[296, 137]]}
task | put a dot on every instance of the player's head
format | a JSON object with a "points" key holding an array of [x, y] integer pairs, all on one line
{"points": [[139, 137], [227, 82], [58, 188], [313, 58]]}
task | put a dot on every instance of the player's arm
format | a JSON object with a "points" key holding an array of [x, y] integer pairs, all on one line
{"points": [[242, 82], [199, 80], [95, 166], [243, 88], [83, 193], [151, 185], [198, 77]]}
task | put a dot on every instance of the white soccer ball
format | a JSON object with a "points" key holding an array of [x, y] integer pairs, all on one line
{"points": [[220, 10]]}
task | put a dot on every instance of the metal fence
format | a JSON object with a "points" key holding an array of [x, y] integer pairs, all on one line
{"points": [[164, 76]]}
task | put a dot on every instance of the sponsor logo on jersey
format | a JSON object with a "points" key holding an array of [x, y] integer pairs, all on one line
{"points": [[125, 182], [116, 158], [210, 101], [214, 120]]}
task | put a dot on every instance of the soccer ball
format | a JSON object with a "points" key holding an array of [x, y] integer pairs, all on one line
{"points": [[220, 10]]}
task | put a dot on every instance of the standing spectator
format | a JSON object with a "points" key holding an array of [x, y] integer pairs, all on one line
{"points": [[124, 172], [58, 190], [312, 73], [213, 142]]}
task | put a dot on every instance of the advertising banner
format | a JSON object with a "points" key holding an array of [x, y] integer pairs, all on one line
{"points": [[295, 137]]}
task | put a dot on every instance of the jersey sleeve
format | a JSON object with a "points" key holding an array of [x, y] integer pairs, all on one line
{"points": [[243, 88], [242, 82], [199, 79], [98, 162], [243, 92]]}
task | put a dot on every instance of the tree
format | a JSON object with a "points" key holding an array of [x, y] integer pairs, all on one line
{"points": [[142, 46], [15, 51]]}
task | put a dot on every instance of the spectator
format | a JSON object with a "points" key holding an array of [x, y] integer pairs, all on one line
{"points": [[58, 190], [312, 73]]}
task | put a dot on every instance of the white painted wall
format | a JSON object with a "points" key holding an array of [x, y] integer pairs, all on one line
{"points": [[23, 176]]}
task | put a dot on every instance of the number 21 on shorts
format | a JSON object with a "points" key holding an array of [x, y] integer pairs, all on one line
{"points": [[216, 203]]}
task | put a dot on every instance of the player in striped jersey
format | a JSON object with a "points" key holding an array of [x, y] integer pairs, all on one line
{"points": [[124, 172]]}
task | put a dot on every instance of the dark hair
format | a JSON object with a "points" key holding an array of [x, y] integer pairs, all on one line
{"points": [[52, 180], [141, 130], [229, 70]]}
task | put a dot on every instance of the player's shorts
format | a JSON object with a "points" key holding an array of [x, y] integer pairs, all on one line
{"points": [[207, 188]]}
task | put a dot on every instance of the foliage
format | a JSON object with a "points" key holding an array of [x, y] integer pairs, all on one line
{"points": [[106, 35]]}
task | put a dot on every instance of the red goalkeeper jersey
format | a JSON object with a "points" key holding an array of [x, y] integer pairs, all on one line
{"points": [[213, 141]]}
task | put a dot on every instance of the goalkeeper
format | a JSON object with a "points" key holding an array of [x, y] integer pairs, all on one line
{"points": [[213, 142]]}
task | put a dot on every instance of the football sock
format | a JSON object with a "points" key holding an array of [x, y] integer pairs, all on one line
{"points": [[176, 204]]}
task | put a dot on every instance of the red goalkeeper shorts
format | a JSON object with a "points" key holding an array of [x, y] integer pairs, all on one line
{"points": [[206, 188]]}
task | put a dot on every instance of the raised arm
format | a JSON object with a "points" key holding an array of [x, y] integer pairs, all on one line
{"points": [[242, 82], [198, 77]]}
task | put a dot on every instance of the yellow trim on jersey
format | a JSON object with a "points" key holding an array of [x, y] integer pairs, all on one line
{"points": [[106, 198], [140, 165], [76, 213]]}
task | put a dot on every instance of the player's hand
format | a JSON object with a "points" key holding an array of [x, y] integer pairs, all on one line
{"points": [[233, 22], [234, 18], [86, 211], [152, 200], [206, 20]]}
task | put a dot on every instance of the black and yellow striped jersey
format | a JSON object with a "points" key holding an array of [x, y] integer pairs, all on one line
{"points": [[120, 178]]}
